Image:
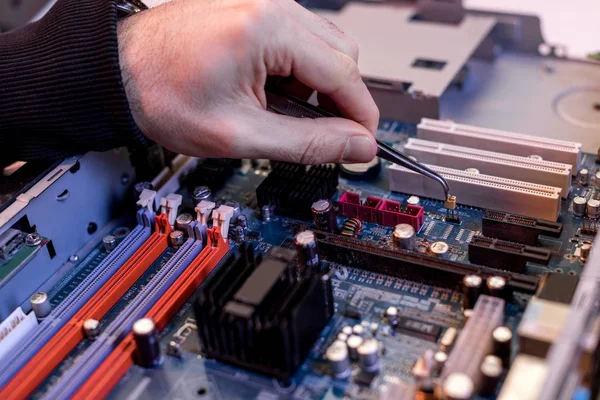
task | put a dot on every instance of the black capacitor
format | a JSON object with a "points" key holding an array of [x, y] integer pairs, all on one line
{"points": [[147, 343], [306, 246], [491, 372], [502, 338], [471, 290], [496, 286], [324, 216]]}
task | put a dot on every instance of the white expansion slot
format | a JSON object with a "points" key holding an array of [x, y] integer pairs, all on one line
{"points": [[15, 327], [518, 144], [491, 163], [483, 191]]}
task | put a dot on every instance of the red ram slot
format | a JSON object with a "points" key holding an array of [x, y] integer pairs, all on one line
{"points": [[351, 207], [391, 214]]}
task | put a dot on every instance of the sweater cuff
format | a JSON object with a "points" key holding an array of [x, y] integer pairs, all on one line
{"points": [[61, 91]]}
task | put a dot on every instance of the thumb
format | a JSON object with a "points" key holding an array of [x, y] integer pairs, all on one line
{"points": [[307, 141]]}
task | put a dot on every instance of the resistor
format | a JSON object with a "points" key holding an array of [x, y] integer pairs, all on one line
{"points": [[351, 227]]}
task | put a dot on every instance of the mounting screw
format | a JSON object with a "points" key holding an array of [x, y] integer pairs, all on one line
{"points": [[33, 239], [201, 193], [74, 258]]}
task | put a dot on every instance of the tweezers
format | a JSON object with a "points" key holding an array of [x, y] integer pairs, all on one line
{"points": [[283, 103]]}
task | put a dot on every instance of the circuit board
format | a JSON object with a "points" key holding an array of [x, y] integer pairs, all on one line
{"points": [[360, 297]]}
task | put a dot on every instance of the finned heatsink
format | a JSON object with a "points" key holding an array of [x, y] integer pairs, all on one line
{"points": [[483, 191], [518, 144], [492, 163]]}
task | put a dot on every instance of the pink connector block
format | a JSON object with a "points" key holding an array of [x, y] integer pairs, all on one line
{"points": [[390, 214], [351, 207]]}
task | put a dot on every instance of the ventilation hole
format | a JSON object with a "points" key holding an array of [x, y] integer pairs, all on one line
{"points": [[92, 228], [63, 196], [429, 64], [75, 167], [202, 391]]}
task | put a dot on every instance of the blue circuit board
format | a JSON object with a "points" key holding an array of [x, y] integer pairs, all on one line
{"points": [[192, 376]]}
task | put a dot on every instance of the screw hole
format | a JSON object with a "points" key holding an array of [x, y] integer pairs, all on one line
{"points": [[202, 391], [92, 228], [63, 195], [75, 167]]}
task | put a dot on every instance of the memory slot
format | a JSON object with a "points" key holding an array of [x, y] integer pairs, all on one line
{"points": [[86, 363], [561, 151], [483, 191], [35, 371], [492, 163], [114, 367], [72, 303]]}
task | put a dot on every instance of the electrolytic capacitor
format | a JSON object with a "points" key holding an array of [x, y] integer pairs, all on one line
{"points": [[439, 360], [177, 238], [183, 222], [358, 330], [448, 339], [439, 249], [147, 343], [109, 242], [353, 343], [496, 286], [584, 251], [491, 370], [579, 204], [324, 216], [91, 328], [593, 208], [40, 304], [242, 221], [337, 355], [237, 234], [306, 246], [265, 212], [502, 339], [583, 176], [392, 315], [368, 355], [404, 237], [413, 200], [471, 290], [458, 386], [342, 337], [347, 330]]}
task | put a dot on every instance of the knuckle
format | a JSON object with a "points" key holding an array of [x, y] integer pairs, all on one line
{"points": [[350, 70], [260, 10], [352, 48], [312, 150]]}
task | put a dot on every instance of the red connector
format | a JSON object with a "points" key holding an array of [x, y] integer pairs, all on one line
{"points": [[351, 207], [390, 214], [384, 212]]}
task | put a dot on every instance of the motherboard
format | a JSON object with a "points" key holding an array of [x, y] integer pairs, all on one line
{"points": [[145, 274]]}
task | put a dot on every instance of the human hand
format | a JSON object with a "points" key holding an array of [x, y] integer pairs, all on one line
{"points": [[195, 71]]}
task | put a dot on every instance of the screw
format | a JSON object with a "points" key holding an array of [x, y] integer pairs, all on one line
{"points": [[74, 258], [201, 193], [33, 239]]}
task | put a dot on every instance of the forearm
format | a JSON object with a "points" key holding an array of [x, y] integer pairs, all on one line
{"points": [[61, 90]]}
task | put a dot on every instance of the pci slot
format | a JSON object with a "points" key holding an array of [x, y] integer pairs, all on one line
{"points": [[517, 228], [113, 367], [33, 373], [561, 151], [502, 254], [483, 191], [375, 257], [86, 363], [74, 301], [475, 340], [491, 163]]}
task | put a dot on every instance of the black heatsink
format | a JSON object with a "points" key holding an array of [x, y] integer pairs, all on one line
{"points": [[263, 315], [293, 188]]}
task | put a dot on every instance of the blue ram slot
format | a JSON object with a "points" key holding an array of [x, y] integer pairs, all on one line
{"points": [[30, 345], [93, 356]]}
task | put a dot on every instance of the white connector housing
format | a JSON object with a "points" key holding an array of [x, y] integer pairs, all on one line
{"points": [[169, 206], [146, 199], [203, 210], [484, 191], [518, 144], [221, 218], [14, 328], [492, 163]]}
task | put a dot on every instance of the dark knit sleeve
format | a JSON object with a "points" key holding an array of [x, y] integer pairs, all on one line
{"points": [[61, 91]]}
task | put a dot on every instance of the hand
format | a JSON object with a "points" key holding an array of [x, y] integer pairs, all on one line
{"points": [[194, 73]]}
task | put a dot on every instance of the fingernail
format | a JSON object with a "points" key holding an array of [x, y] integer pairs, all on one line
{"points": [[358, 149]]}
